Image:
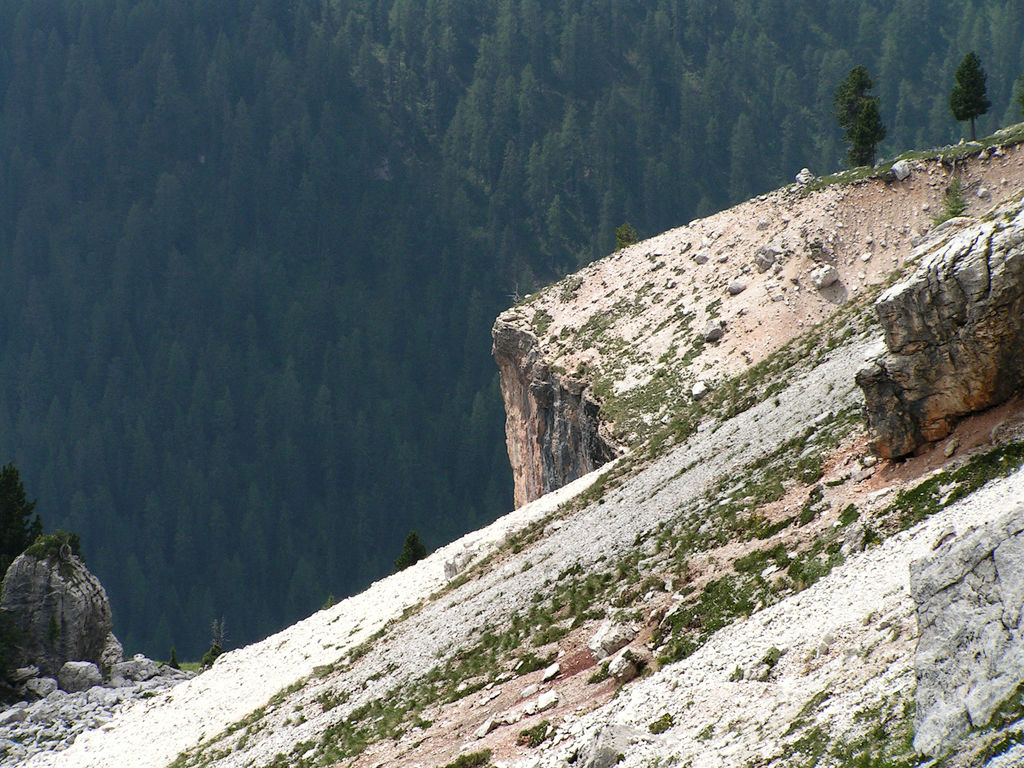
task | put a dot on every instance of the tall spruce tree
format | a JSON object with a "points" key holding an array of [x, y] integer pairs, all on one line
{"points": [[967, 99], [868, 131], [857, 113], [18, 529]]}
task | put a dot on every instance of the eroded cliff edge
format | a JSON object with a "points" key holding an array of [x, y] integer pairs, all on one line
{"points": [[592, 364], [552, 428]]}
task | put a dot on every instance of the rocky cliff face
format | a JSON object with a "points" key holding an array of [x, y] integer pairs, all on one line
{"points": [[59, 610], [955, 335], [970, 655], [552, 425]]}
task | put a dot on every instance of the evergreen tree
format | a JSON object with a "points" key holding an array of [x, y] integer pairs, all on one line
{"points": [[967, 99], [17, 527], [1019, 95], [412, 552], [857, 113], [868, 131], [850, 97], [625, 236]]}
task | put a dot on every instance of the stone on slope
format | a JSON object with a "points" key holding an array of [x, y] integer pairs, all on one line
{"points": [[40, 687], [609, 638], [901, 169], [604, 750], [77, 676], [804, 177], [737, 286], [955, 337], [58, 609], [824, 276], [970, 653], [715, 330]]}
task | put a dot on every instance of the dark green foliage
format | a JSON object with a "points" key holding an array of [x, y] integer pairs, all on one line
{"points": [[1019, 94], [173, 663], [625, 236], [50, 545], [850, 97], [967, 99], [412, 552], [857, 113], [18, 527], [471, 760], [535, 736], [210, 656], [8, 637], [953, 202], [662, 724], [251, 251], [868, 132]]}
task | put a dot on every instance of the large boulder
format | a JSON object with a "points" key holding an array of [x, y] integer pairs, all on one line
{"points": [[955, 337], [970, 651], [58, 609], [77, 676]]}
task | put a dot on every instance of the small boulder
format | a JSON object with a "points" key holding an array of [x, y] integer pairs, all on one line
{"points": [[901, 169], [824, 276], [488, 725], [764, 259], [77, 676], [714, 331], [551, 672], [699, 391], [624, 666], [23, 674], [609, 638], [40, 687], [804, 177], [547, 700], [737, 286], [700, 257]]}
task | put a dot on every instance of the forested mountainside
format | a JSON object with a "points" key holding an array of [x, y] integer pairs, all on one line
{"points": [[251, 250]]}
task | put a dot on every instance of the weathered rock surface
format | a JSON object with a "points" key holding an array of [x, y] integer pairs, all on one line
{"points": [[55, 718], [609, 638], [552, 427], [77, 676], [955, 336], [970, 655], [59, 610]]}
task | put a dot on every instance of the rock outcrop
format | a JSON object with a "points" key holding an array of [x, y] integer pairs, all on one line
{"points": [[552, 425], [970, 655], [58, 609], [955, 335]]}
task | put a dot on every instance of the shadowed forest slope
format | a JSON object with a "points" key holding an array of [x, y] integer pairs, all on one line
{"points": [[251, 250]]}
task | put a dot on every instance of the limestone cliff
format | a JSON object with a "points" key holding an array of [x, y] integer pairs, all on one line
{"points": [[593, 363], [955, 335], [552, 428]]}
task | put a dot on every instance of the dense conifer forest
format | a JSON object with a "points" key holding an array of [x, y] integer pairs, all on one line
{"points": [[251, 249]]}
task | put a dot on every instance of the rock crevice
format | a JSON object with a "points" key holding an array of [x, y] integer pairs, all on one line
{"points": [[552, 428]]}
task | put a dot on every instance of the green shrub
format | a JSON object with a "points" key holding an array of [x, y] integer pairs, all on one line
{"points": [[535, 736], [49, 545], [471, 760], [211, 656], [662, 724]]}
